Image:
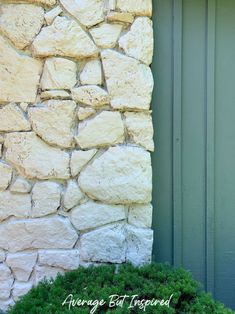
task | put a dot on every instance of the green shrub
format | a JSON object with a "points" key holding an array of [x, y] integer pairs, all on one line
{"points": [[155, 281]]}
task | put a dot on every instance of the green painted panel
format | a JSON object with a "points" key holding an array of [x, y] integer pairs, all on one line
{"points": [[194, 117]]}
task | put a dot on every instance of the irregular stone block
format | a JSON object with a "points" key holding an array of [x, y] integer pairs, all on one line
{"points": [[56, 94], [46, 272], [137, 7], [79, 160], [47, 3], [106, 35], [6, 281], [54, 121], [140, 215], [140, 128], [138, 42], [5, 176], [91, 73], [21, 75], [84, 113], [64, 37], [72, 196], [41, 233], [22, 264], [130, 84], [91, 95], [45, 198], [66, 259], [5, 304], [122, 175], [123, 17], [105, 129], [92, 215], [52, 14], [21, 186], [12, 119], [106, 244], [20, 289], [58, 73], [21, 23], [2, 256], [35, 159], [87, 12], [17, 205]]}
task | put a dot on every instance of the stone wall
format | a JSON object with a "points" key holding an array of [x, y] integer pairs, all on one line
{"points": [[75, 137]]}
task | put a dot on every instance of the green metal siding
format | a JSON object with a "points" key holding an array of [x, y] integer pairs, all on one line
{"points": [[194, 119]]}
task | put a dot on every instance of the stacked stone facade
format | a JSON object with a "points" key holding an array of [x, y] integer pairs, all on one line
{"points": [[75, 137]]}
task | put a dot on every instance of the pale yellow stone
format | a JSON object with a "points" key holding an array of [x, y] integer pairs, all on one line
{"points": [[72, 196], [84, 113], [92, 73], [13, 119], [106, 35], [80, 159], [5, 176], [91, 95], [64, 37], [137, 7], [123, 17], [52, 14], [21, 23], [55, 94], [21, 75], [21, 186]]}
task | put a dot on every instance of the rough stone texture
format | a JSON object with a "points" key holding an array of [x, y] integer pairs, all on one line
{"points": [[65, 259], [58, 73], [21, 186], [5, 176], [139, 245], [12, 119], [87, 12], [54, 121], [21, 75], [106, 35], [140, 215], [2, 256], [47, 3], [41, 233], [140, 128], [64, 37], [21, 264], [123, 17], [52, 14], [45, 198], [130, 84], [5, 304], [106, 244], [20, 289], [122, 175], [56, 94], [72, 196], [15, 205], [91, 215], [6, 281], [84, 113], [24, 106], [91, 73], [35, 159], [46, 272], [105, 129], [21, 23], [79, 160], [91, 95], [138, 7], [138, 42]]}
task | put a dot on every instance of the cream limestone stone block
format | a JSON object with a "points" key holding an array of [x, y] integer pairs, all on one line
{"points": [[47, 3], [40, 233], [21, 23], [112, 4], [21, 186], [64, 37], [22, 264], [2, 138], [140, 215], [80, 159], [24, 106], [52, 14], [65, 259], [34, 159], [139, 245], [5, 304], [92, 73], [106, 35], [138, 42], [84, 113], [6, 281], [17, 205], [87, 12], [129, 83], [73, 195], [2, 256], [5, 272], [54, 121], [92, 215], [12, 119], [5, 176], [21, 75], [105, 129], [56, 94], [106, 244], [121, 175], [46, 272], [45, 198], [58, 73], [140, 128], [138, 7], [122, 17], [20, 289], [91, 95]]}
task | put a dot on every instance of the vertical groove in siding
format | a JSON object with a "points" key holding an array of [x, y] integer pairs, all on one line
{"points": [[177, 132], [210, 146]]}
